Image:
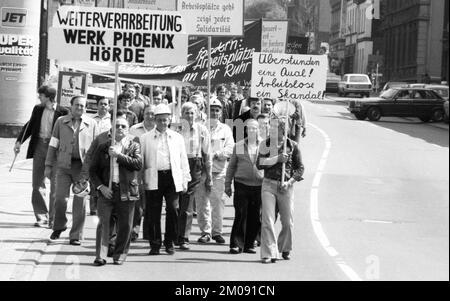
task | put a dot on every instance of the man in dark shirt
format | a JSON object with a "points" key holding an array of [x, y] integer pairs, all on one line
{"points": [[239, 132]]}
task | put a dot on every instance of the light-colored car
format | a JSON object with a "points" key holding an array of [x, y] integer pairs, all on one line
{"points": [[391, 85], [356, 84]]}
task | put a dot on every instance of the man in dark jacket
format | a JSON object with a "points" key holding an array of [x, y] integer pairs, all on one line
{"points": [[239, 132], [39, 128], [122, 194]]}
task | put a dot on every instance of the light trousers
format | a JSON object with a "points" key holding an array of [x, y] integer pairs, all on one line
{"points": [[210, 206], [271, 196]]}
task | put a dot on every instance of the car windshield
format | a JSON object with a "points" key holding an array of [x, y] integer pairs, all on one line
{"points": [[358, 79], [388, 94], [442, 92]]}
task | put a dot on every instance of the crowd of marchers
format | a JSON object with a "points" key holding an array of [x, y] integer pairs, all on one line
{"points": [[166, 148]]}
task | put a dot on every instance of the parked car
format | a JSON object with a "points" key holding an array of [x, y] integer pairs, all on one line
{"points": [[355, 83], [332, 83], [95, 94], [391, 85], [423, 103]]}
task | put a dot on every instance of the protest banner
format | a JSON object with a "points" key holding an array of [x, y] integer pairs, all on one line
{"points": [[274, 36], [118, 35], [70, 84], [297, 45], [90, 3], [231, 58], [213, 18], [151, 4], [289, 76]]}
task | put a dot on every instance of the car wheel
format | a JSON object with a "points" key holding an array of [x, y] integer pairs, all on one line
{"points": [[360, 116], [438, 115], [374, 114], [425, 118], [368, 95]]}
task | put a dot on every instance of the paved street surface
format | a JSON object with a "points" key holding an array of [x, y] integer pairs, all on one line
{"points": [[374, 206]]}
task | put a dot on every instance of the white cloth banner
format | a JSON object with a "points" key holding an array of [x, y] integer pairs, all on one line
{"points": [[118, 35], [151, 4], [213, 18], [274, 36], [288, 76]]}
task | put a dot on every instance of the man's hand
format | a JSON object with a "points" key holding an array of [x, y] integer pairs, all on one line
{"points": [[228, 191], [304, 133], [106, 192], [48, 172], [17, 147], [283, 158], [285, 186], [114, 151]]}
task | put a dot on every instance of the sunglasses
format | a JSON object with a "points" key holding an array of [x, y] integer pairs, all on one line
{"points": [[122, 126]]}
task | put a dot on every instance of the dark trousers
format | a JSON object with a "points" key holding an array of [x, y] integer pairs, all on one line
{"points": [[124, 211], [139, 210], [154, 199], [247, 206], [186, 201]]}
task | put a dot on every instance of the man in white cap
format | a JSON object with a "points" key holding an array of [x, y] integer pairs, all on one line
{"points": [[166, 174], [210, 205]]}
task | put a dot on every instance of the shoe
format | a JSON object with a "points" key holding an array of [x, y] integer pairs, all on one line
{"points": [[75, 242], [170, 250], [184, 246], [266, 260], [273, 260], [93, 212], [118, 262], [99, 262], [286, 255], [219, 239], [235, 250], [250, 251], [154, 252], [134, 236], [56, 234], [50, 226], [194, 214], [110, 251], [41, 224], [204, 238]]}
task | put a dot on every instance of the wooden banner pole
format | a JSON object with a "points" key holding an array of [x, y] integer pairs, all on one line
{"points": [[113, 125]]}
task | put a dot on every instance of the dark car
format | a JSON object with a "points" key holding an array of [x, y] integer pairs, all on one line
{"points": [[332, 83], [425, 104]]}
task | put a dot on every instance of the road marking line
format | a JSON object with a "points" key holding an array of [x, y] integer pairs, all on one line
{"points": [[41, 272], [376, 222], [314, 212]]}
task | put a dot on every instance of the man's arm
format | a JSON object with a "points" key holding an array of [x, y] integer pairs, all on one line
{"points": [[184, 164], [54, 145], [133, 161], [231, 170]]}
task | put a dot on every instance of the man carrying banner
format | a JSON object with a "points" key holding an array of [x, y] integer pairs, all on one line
{"points": [[275, 193], [39, 128], [72, 136], [210, 205], [123, 194]]}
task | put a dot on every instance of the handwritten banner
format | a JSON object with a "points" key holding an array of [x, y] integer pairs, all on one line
{"points": [[118, 35], [231, 58], [273, 37], [213, 18], [289, 76]]}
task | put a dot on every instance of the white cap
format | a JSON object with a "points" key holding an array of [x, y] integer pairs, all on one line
{"points": [[215, 102], [162, 109]]}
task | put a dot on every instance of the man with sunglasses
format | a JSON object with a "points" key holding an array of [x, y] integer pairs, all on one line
{"points": [[120, 198]]}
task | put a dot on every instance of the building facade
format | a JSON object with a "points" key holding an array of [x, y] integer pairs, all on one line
{"points": [[413, 41], [337, 35]]}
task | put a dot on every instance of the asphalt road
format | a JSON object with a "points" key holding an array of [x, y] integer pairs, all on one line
{"points": [[374, 206]]}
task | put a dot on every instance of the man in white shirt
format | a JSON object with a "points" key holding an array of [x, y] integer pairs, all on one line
{"points": [[210, 205], [166, 174]]}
